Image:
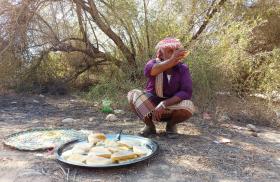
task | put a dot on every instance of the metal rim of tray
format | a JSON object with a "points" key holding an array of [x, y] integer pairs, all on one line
{"points": [[149, 143]]}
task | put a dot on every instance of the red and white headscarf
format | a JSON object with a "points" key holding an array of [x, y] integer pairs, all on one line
{"points": [[168, 42]]}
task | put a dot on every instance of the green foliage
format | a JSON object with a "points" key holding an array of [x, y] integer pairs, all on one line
{"points": [[268, 73], [114, 85], [9, 68], [205, 75], [238, 51], [48, 72]]}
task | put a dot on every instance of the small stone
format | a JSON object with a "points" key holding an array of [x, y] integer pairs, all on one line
{"points": [[118, 111], [238, 127], [95, 104], [111, 117], [68, 120], [216, 142], [225, 140], [39, 155], [91, 119], [252, 127], [222, 141], [254, 134], [277, 113], [35, 121], [36, 101], [41, 95], [13, 102]]}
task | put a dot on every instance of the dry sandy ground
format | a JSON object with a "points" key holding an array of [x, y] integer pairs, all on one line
{"points": [[192, 157]]}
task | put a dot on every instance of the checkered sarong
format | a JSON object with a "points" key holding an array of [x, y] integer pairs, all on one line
{"points": [[144, 104]]}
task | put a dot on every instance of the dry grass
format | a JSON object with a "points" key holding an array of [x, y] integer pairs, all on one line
{"points": [[192, 157]]}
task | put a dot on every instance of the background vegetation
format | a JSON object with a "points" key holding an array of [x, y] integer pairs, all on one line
{"points": [[100, 47]]}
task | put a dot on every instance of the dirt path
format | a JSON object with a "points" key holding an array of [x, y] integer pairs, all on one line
{"points": [[192, 157]]}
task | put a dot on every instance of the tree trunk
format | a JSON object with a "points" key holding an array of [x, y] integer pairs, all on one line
{"points": [[147, 28], [92, 10]]}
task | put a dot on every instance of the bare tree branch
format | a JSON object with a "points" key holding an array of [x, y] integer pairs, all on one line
{"points": [[147, 27], [92, 10], [17, 24], [209, 15]]}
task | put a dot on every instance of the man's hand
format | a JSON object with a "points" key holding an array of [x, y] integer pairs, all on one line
{"points": [[159, 110], [178, 55]]}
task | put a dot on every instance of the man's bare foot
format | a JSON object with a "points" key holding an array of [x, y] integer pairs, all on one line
{"points": [[171, 129]]}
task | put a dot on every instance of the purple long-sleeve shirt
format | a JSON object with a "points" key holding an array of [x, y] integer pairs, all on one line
{"points": [[179, 85]]}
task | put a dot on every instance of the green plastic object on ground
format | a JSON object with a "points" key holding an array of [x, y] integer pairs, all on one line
{"points": [[106, 106]]}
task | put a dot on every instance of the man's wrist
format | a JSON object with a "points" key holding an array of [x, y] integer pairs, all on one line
{"points": [[163, 104]]}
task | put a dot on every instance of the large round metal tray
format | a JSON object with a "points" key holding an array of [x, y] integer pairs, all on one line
{"points": [[150, 144]]}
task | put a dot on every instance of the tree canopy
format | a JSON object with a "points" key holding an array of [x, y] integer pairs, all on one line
{"points": [[234, 44]]}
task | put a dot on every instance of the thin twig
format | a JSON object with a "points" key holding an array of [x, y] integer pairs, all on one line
{"points": [[63, 170], [74, 178], [67, 176]]}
